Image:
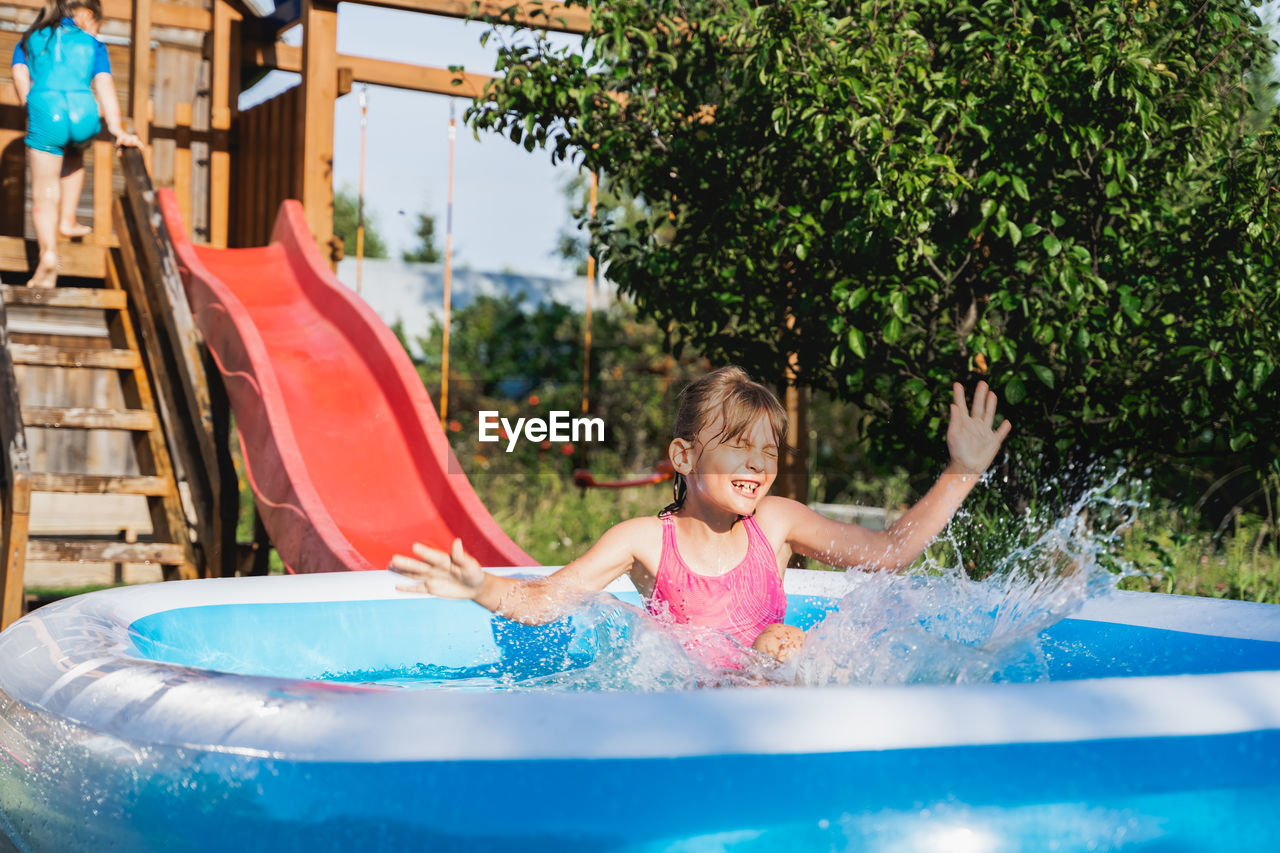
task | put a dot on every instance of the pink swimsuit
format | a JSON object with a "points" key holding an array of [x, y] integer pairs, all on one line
{"points": [[742, 602]]}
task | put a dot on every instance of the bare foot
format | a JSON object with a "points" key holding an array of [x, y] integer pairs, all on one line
{"points": [[46, 274], [75, 229]]}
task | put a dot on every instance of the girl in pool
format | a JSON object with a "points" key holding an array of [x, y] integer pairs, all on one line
{"points": [[716, 556], [62, 75]]}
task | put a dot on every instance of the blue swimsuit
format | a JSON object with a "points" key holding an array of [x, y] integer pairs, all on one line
{"points": [[62, 112]]}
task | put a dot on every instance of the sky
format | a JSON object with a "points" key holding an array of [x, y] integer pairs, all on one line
{"points": [[509, 206]]}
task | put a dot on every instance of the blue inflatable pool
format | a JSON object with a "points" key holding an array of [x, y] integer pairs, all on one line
{"points": [[252, 714]]}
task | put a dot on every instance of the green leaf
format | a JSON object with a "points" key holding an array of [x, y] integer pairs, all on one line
{"points": [[1052, 246], [892, 331], [898, 303], [1043, 373], [857, 343], [1014, 391], [1020, 187]]}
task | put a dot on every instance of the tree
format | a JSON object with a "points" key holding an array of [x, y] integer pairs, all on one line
{"points": [[524, 360], [622, 210], [1066, 199], [345, 220], [425, 252]]}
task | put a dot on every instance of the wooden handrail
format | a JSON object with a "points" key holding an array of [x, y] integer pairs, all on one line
{"points": [[197, 429]]}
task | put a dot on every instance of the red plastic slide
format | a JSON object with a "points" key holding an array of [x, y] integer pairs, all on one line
{"points": [[343, 447]]}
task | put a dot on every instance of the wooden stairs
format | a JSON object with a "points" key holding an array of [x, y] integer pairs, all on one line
{"points": [[176, 421], [155, 480]]}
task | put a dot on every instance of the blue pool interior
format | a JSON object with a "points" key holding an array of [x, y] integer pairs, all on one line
{"points": [[435, 640]]}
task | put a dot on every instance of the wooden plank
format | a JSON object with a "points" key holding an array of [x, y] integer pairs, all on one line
{"points": [[100, 484], [275, 55], [315, 122], [549, 16], [64, 297], [15, 487], [162, 14], [82, 260], [13, 567], [221, 104], [85, 418], [377, 72], [418, 78], [249, 184], [186, 385], [182, 159], [282, 136], [140, 68], [224, 137], [104, 551], [103, 166], [51, 356]]}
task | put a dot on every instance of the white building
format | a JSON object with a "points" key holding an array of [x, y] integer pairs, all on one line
{"points": [[413, 294]]}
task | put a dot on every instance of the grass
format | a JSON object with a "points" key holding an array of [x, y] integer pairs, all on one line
{"points": [[553, 520], [43, 593], [1241, 563]]}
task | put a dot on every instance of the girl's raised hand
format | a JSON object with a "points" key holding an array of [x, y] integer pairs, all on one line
{"points": [[452, 575], [970, 437]]}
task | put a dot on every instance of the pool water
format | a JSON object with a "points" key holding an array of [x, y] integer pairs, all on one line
{"points": [[439, 644]]}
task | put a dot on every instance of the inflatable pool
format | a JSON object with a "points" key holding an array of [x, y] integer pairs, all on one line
{"points": [[224, 715]]}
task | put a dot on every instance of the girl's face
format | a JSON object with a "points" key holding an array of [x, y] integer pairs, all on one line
{"points": [[86, 21], [733, 473]]}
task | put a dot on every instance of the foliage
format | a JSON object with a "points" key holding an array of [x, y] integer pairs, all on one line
{"points": [[346, 218], [425, 252], [1066, 199], [523, 361], [611, 204]]}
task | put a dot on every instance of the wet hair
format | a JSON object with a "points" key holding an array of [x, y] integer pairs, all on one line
{"points": [[55, 10], [730, 394]]}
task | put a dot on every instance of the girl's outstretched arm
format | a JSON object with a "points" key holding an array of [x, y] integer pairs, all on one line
{"points": [[105, 91], [533, 601], [973, 444]]}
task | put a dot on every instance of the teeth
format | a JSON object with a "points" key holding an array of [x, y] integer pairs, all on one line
{"points": [[749, 488]]}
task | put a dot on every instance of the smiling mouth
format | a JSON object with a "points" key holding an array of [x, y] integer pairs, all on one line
{"points": [[746, 487]]}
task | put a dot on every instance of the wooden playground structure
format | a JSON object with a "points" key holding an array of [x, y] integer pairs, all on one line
{"points": [[105, 388]]}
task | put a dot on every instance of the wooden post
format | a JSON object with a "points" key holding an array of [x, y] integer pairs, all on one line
{"points": [[793, 468], [140, 70], [315, 117], [182, 158], [224, 54], [15, 487]]}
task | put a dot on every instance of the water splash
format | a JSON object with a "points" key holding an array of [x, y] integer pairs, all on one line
{"points": [[937, 625], [931, 625]]}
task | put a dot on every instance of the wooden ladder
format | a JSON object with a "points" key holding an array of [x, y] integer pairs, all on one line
{"points": [[172, 547]]}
